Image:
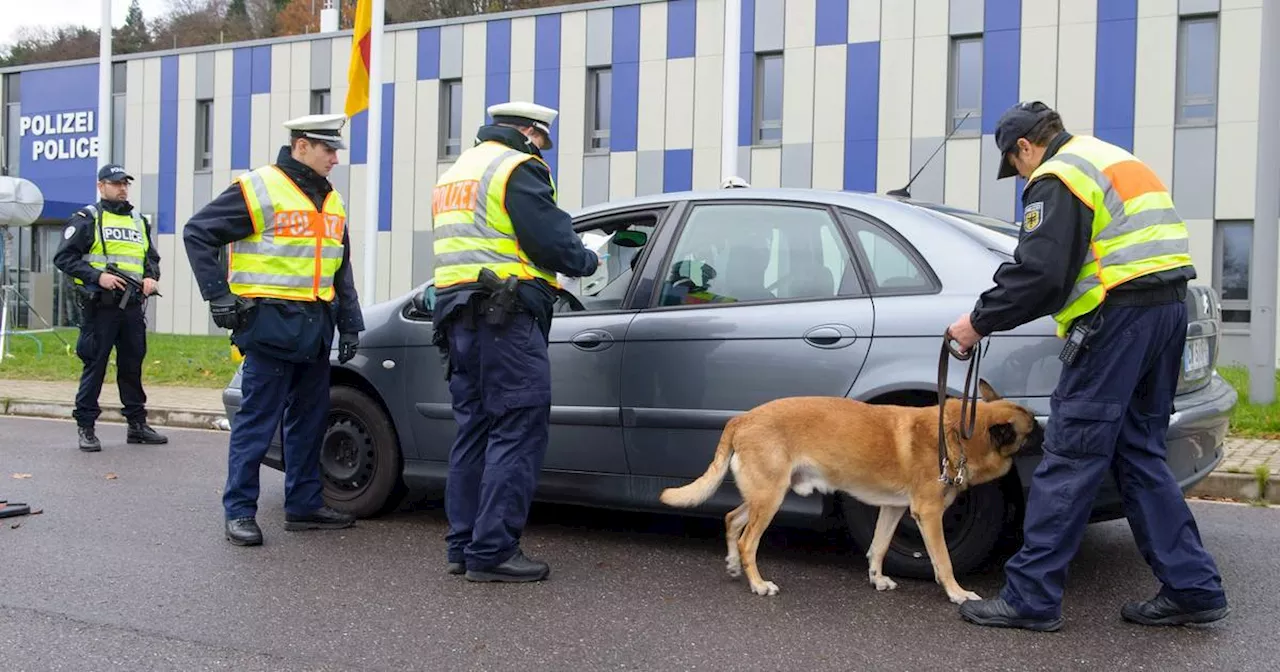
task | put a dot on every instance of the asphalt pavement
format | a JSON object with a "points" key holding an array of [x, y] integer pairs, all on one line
{"points": [[132, 572]]}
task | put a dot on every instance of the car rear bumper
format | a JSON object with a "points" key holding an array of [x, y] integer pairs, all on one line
{"points": [[1195, 445]]}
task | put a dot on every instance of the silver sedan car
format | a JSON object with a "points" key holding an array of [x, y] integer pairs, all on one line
{"points": [[712, 302]]}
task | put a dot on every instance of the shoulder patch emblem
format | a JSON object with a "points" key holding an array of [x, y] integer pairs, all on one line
{"points": [[1031, 216], [68, 232]]}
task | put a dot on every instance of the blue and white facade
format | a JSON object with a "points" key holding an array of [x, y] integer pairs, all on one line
{"points": [[834, 94]]}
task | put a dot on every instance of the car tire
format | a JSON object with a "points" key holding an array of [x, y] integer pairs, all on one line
{"points": [[360, 460], [972, 526]]}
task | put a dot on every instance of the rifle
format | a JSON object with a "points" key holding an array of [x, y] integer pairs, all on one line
{"points": [[131, 283]]}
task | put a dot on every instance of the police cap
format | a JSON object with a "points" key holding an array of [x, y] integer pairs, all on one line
{"points": [[525, 114], [113, 172], [326, 128], [1016, 123]]}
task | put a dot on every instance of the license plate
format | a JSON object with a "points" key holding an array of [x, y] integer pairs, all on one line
{"points": [[1195, 357]]}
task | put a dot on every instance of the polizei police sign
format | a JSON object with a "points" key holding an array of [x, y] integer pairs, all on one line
{"points": [[65, 135]]}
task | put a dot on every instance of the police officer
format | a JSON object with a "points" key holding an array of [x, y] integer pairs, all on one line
{"points": [[1104, 251], [111, 231], [494, 212], [287, 283]]}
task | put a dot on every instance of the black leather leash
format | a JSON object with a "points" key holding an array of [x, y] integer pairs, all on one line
{"points": [[968, 402]]}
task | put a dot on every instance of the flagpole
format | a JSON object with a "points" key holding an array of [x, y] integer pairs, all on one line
{"points": [[104, 89], [373, 166]]}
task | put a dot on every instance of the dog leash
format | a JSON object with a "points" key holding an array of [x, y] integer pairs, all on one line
{"points": [[968, 402]]}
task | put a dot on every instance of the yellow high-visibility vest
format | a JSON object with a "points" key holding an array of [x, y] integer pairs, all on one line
{"points": [[120, 238], [295, 250], [1136, 230], [472, 227]]}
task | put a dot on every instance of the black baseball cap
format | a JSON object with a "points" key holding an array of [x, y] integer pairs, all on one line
{"points": [[1016, 123], [113, 173]]}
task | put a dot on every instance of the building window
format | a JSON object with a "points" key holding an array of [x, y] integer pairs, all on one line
{"points": [[119, 87], [599, 108], [450, 118], [320, 101], [1233, 262], [768, 101], [965, 88], [204, 134], [1197, 71]]}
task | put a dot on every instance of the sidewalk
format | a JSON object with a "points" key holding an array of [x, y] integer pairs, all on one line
{"points": [[169, 406]]}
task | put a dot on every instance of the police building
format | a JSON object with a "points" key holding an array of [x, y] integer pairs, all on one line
{"points": [[832, 94]]}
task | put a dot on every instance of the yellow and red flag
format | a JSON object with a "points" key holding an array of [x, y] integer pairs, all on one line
{"points": [[358, 72]]}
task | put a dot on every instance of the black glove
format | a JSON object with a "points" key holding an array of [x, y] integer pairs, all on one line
{"points": [[228, 310], [347, 345]]}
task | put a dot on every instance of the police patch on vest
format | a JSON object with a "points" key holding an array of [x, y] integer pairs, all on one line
{"points": [[68, 232], [121, 234], [1031, 216]]}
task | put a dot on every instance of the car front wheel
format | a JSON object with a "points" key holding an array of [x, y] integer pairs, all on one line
{"points": [[360, 462], [972, 526]]}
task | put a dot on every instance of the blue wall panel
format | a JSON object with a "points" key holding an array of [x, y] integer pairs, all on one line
{"points": [[746, 74], [497, 62], [388, 153], [241, 107], [359, 125], [1116, 72], [429, 53], [1001, 53], [546, 75], [626, 79], [261, 70], [832, 22], [167, 189], [862, 116], [682, 28], [677, 170]]}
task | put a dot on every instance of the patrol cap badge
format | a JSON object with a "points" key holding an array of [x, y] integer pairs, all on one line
{"points": [[1031, 216]]}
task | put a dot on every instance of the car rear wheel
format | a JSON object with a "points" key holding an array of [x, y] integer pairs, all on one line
{"points": [[360, 462], [972, 526]]}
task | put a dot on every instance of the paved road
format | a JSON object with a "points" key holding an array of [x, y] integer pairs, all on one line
{"points": [[133, 573]]}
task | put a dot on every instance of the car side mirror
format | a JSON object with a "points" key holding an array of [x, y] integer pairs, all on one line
{"points": [[630, 238]]}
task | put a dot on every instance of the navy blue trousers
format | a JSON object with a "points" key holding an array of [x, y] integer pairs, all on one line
{"points": [[274, 388], [1110, 412], [501, 388], [103, 327]]}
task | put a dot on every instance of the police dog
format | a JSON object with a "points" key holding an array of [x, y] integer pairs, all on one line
{"points": [[885, 456]]}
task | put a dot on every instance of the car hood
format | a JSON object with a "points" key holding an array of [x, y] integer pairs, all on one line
{"points": [[380, 322]]}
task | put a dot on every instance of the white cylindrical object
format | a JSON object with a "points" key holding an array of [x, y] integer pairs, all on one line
{"points": [[729, 111], [104, 90], [329, 19], [21, 202], [373, 165], [1266, 217]]}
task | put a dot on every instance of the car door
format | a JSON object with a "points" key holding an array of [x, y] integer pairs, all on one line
{"points": [[756, 300]]}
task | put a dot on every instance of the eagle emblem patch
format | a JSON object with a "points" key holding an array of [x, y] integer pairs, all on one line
{"points": [[1031, 216]]}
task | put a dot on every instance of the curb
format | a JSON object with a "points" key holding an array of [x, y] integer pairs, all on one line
{"points": [[1242, 487], [160, 417]]}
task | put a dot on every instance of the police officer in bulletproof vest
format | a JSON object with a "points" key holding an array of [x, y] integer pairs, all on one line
{"points": [[1103, 250], [500, 239], [286, 285], [108, 252]]}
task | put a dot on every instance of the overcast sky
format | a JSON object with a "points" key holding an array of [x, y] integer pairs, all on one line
{"points": [[19, 13]]}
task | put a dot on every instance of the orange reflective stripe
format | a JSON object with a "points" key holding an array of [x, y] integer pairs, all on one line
{"points": [[1131, 179]]}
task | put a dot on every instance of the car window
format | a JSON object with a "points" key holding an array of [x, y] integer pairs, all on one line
{"points": [[732, 253], [607, 287], [890, 265]]}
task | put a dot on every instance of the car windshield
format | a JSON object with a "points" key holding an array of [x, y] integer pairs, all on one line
{"points": [[997, 234]]}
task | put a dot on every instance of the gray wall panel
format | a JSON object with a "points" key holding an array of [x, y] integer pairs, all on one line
{"points": [[744, 165], [929, 185], [451, 52], [649, 172], [797, 166], [770, 29], [595, 179], [966, 16], [201, 190], [1197, 6], [996, 197], [204, 75], [1193, 171], [599, 37], [321, 64], [423, 257], [150, 201], [340, 177]]}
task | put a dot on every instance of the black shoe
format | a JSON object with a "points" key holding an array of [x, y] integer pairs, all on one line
{"points": [[89, 442], [999, 614], [456, 568], [1161, 610], [244, 532], [323, 518], [517, 569], [142, 433]]}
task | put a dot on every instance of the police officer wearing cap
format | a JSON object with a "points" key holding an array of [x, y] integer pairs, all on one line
{"points": [[286, 284], [1104, 251], [500, 240], [111, 232]]}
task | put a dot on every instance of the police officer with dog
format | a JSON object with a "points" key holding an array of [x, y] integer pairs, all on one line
{"points": [[500, 240], [1104, 251], [287, 284], [108, 252]]}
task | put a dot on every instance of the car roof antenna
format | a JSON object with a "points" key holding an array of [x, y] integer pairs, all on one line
{"points": [[905, 191]]}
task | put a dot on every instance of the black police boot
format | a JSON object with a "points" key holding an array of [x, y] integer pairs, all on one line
{"points": [[517, 569], [89, 442], [244, 532], [456, 568], [141, 432], [1161, 610], [323, 518], [1000, 614]]}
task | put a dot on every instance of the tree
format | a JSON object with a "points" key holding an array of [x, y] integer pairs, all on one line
{"points": [[296, 19], [134, 36]]}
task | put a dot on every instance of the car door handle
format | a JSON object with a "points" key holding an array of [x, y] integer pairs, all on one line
{"points": [[592, 339], [830, 336]]}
